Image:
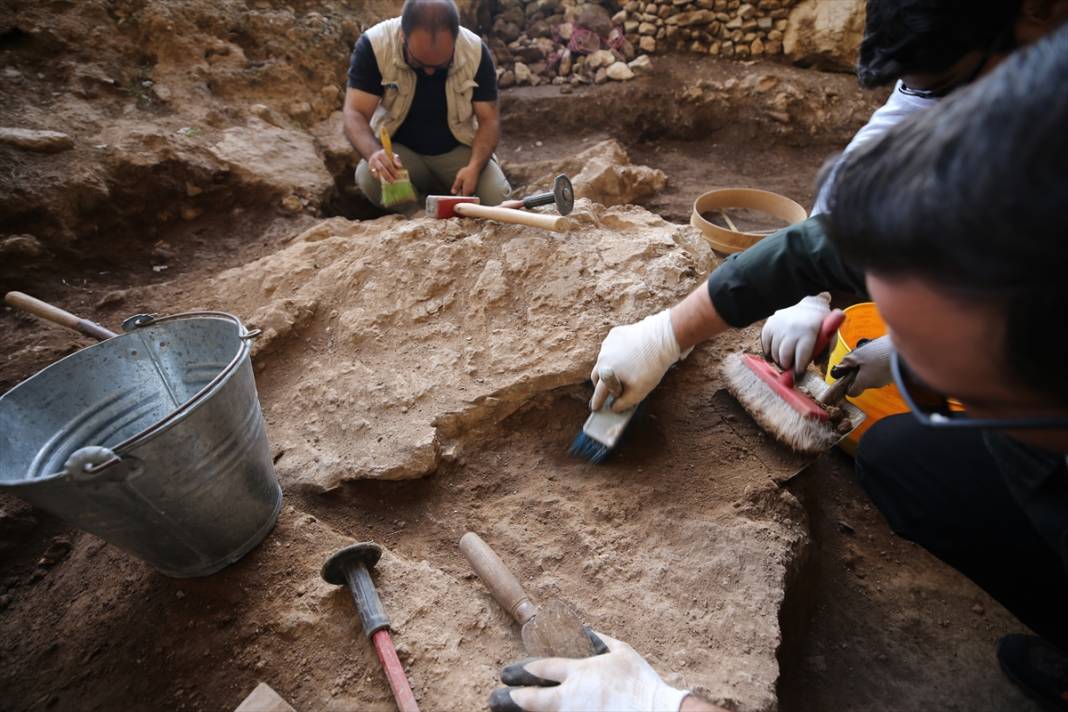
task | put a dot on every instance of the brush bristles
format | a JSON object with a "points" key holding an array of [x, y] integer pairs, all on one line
{"points": [[772, 413], [398, 192], [589, 448]]}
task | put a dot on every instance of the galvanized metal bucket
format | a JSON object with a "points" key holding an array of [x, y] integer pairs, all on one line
{"points": [[152, 440]]}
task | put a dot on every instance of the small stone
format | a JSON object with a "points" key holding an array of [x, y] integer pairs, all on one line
{"points": [[601, 76], [291, 203], [765, 23], [641, 65], [600, 58], [180, 595], [20, 246], [299, 110], [619, 72], [523, 75], [565, 30], [647, 44], [190, 212], [34, 140], [757, 48], [646, 28], [507, 79], [978, 609]]}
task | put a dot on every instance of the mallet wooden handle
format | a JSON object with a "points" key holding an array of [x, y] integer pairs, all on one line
{"points": [[54, 314], [498, 579], [508, 215]]}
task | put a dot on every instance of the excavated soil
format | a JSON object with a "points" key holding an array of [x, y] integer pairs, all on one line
{"points": [[452, 356]]}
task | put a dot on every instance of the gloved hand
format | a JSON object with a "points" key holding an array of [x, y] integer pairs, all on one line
{"points": [[619, 680], [789, 335], [872, 361], [639, 355]]}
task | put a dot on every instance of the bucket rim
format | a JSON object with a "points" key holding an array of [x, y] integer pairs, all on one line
{"points": [[244, 336]]}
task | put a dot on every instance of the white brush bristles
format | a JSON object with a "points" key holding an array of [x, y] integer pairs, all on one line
{"points": [[772, 413]]}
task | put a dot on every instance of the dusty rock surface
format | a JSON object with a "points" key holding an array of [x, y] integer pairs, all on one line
{"points": [[31, 140], [397, 338], [602, 173], [825, 34]]}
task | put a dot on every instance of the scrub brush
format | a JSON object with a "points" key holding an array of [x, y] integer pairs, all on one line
{"points": [[769, 395], [603, 429], [401, 190]]}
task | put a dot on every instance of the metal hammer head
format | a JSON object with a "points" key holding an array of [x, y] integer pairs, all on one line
{"points": [[563, 194], [444, 206], [367, 553]]}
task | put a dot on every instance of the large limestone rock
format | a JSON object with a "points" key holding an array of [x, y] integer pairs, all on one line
{"points": [[392, 340], [283, 161], [603, 173], [825, 34], [34, 140]]}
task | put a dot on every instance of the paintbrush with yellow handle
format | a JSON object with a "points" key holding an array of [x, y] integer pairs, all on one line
{"points": [[399, 191]]}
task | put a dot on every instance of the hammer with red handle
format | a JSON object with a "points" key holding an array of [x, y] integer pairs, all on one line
{"points": [[452, 206], [351, 566]]}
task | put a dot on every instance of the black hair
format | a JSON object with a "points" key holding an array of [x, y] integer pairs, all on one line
{"points": [[971, 196], [925, 36], [433, 16]]}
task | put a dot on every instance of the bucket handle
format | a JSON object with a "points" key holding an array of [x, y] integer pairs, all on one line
{"points": [[98, 464]]}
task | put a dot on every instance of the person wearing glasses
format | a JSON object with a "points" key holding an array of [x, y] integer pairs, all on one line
{"points": [[931, 47], [967, 265], [928, 49], [431, 85]]}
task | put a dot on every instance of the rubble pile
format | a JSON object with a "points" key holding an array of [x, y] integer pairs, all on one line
{"points": [[574, 42]]}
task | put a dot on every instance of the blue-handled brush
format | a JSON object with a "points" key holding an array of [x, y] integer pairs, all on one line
{"points": [[602, 431]]}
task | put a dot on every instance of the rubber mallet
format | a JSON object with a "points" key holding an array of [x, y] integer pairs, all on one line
{"points": [[452, 206], [351, 566]]}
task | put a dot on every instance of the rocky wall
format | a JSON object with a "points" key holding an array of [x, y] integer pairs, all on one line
{"points": [[575, 42]]}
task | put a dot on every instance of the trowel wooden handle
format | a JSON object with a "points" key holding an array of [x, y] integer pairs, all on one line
{"points": [[509, 215], [498, 579], [54, 314]]}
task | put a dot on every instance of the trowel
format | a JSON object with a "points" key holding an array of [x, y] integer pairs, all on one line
{"points": [[551, 630]]}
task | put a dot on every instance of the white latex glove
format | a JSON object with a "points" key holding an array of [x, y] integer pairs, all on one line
{"points": [[789, 335], [619, 680], [639, 355], [873, 361]]}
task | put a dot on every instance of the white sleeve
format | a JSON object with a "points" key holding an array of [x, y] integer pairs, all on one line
{"points": [[897, 108]]}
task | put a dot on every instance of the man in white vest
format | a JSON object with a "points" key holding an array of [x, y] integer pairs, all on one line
{"points": [[432, 86]]}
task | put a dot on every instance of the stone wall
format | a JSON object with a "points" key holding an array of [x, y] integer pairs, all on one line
{"points": [[579, 41]]}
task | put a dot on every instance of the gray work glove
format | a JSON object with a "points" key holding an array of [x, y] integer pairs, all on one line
{"points": [[872, 362]]}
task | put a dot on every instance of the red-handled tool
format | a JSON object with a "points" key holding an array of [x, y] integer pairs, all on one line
{"points": [[351, 566], [782, 382]]}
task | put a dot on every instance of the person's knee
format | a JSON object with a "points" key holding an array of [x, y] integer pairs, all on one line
{"points": [[493, 187], [885, 464]]}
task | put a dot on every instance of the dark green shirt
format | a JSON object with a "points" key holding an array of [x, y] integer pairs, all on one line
{"points": [[778, 272]]}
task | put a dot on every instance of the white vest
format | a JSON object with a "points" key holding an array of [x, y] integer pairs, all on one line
{"points": [[398, 80]]}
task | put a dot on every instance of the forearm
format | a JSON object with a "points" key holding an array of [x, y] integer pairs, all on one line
{"points": [[696, 704], [485, 143], [695, 319], [781, 269], [358, 132]]}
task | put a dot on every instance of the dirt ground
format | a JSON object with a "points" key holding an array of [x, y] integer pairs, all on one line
{"points": [[862, 621]]}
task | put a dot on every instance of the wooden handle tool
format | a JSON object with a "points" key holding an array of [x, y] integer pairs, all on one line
{"points": [[54, 314], [555, 223], [498, 579]]}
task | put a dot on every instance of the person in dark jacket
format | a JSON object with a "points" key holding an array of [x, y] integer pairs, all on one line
{"points": [[967, 265]]}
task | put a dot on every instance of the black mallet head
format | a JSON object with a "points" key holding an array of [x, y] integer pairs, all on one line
{"points": [[563, 194]]}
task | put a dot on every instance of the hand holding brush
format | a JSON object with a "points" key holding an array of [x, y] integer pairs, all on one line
{"points": [[396, 185]]}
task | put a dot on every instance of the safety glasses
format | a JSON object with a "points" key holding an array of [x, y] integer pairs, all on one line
{"points": [[934, 409], [419, 66]]}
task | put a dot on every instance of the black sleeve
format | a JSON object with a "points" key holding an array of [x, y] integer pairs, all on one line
{"points": [[363, 68], [486, 76], [779, 271]]}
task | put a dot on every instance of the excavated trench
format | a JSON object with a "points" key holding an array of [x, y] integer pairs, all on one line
{"points": [[683, 544], [593, 535]]}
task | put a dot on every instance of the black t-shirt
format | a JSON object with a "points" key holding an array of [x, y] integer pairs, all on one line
{"points": [[426, 128]]}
